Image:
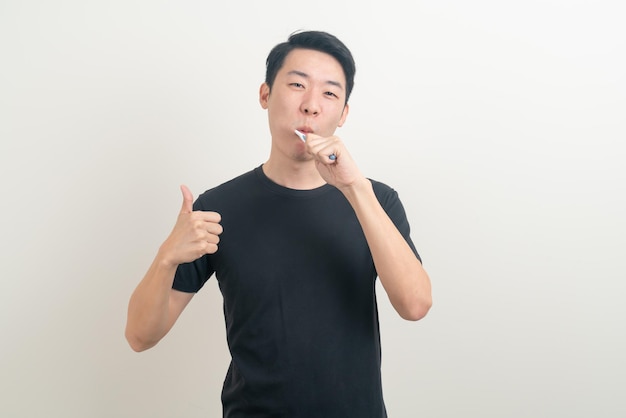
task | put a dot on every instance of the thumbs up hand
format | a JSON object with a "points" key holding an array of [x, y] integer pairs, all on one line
{"points": [[195, 233]]}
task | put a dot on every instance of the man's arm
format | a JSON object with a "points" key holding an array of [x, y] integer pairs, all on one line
{"points": [[401, 273], [154, 306]]}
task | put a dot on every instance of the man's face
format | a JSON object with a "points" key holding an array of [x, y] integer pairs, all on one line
{"points": [[309, 94]]}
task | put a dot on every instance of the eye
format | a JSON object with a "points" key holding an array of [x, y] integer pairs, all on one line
{"points": [[298, 85], [331, 94]]}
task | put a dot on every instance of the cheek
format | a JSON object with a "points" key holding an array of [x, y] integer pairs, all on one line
{"points": [[339, 120], [282, 107]]}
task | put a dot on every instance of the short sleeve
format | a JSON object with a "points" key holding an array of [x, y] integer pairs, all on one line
{"points": [[190, 277], [390, 201]]}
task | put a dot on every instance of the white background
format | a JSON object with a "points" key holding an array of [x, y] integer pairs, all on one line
{"points": [[500, 124]]}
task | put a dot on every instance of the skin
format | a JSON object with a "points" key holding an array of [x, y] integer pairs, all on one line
{"points": [[309, 95]]}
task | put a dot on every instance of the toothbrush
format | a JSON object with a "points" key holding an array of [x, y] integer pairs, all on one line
{"points": [[302, 136]]}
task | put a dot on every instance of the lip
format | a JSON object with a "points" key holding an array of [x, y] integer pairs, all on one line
{"points": [[305, 129]]}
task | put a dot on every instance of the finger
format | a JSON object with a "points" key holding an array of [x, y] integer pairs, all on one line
{"points": [[206, 216], [326, 150], [212, 217], [328, 154], [331, 158], [214, 229], [201, 225], [210, 248], [212, 239], [187, 200]]}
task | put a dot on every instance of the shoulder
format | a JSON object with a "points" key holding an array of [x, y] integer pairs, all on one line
{"points": [[384, 193], [237, 187]]}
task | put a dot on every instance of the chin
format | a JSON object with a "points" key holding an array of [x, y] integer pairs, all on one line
{"points": [[302, 157]]}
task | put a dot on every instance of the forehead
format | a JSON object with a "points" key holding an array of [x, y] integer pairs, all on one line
{"points": [[315, 64]]}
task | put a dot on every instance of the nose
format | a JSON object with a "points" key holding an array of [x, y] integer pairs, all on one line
{"points": [[310, 106]]}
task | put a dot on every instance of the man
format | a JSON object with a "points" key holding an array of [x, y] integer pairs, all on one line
{"points": [[296, 246]]}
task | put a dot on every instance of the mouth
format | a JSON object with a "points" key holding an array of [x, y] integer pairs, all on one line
{"points": [[300, 135], [305, 129]]}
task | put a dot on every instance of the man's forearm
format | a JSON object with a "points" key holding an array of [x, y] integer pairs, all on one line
{"points": [[148, 309], [404, 279]]}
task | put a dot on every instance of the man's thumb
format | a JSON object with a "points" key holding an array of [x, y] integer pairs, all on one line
{"points": [[187, 200]]}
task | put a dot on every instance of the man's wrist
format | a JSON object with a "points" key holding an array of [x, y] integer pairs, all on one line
{"points": [[164, 260], [357, 189]]}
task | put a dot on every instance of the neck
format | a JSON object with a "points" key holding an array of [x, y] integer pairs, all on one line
{"points": [[299, 175]]}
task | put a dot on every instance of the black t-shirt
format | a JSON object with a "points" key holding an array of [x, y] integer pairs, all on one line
{"points": [[298, 282]]}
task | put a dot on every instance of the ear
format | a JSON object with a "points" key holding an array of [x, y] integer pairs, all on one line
{"points": [[264, 95], [344, 115]]}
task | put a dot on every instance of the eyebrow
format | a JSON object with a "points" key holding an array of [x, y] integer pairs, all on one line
{"points": [[305, 75]]}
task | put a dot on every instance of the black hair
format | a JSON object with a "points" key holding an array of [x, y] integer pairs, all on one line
{"points": [[315, 40]]}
